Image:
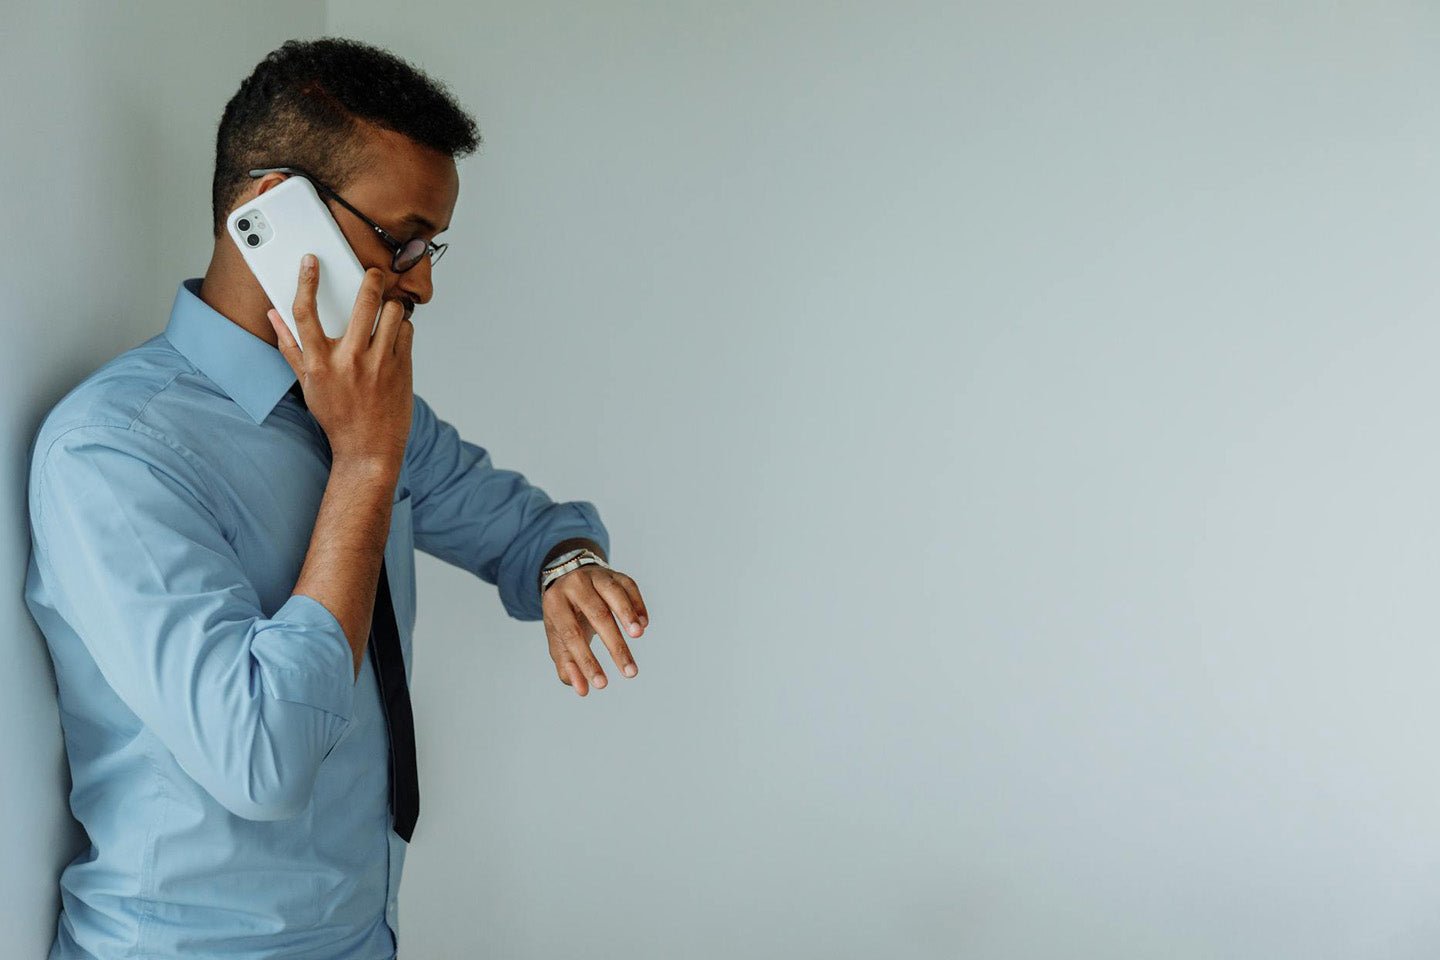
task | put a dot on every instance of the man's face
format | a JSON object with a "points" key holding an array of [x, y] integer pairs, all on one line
{"points": [[408, 189]]}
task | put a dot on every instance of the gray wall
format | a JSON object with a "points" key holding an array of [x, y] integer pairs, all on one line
{"points": [[107, 144], [1019, 416], [1016, 416]]}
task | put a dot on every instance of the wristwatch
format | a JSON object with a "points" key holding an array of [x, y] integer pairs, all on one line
{"points": [[566, 562]]}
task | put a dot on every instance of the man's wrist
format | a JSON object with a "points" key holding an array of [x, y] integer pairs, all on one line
{"points": [[574, 543], [562, 548]]}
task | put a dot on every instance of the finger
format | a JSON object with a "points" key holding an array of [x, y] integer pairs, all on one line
{"points": [[362, 316], [402, 357], [404, 336], [390, 316], [572, 676], [562, 629], [574, 634], [622, 602], [289, 349], [307, 321], [637, 602], [600, 611]]}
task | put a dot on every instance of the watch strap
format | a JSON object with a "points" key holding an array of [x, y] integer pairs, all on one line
{"points": [[561, 565]]}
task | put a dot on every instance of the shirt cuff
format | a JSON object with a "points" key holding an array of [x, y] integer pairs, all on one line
{"points": [[304, 656]]}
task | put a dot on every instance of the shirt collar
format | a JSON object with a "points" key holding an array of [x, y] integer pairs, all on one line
{"points": [[252, 372]]}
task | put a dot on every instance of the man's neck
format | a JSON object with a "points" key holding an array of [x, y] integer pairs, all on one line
{"points": [[231, 290]]}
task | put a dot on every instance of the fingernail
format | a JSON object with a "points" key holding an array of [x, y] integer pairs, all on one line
{"points": [[309, 261], [598, 681], [629, 669], [635, 629]]}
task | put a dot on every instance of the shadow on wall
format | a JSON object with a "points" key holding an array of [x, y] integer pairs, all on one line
{"points": [[117, 122], [42, 837], [120, 222]]}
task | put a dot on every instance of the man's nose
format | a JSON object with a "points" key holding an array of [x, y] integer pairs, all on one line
{"points": [[415, 283]]}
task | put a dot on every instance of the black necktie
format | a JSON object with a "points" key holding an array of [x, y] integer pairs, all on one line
{"points": [[389, 663]]}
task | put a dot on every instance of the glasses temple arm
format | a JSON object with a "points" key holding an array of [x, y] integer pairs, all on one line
{"points": [[296, 171]]}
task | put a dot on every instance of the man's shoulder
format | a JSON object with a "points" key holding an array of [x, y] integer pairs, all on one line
{"points": [[116, 394]]}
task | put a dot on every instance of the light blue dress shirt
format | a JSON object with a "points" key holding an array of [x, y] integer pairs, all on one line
{"points": [[230, 770]]}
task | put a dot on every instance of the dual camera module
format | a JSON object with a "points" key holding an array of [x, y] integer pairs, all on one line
{"points": [[251, 238], [250, 224]]}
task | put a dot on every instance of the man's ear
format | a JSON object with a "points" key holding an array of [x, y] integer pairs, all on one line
{"points": [[266, 182]]}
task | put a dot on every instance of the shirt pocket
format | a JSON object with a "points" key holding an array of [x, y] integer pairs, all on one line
{"points": [[400, 571]]}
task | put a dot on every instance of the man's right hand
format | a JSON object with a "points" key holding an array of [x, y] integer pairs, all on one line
{"points": [[358, 387]]}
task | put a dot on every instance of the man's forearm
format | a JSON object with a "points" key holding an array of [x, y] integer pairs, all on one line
{"points": [[342, 566]]}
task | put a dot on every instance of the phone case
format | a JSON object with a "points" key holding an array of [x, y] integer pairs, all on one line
{"points": [[282, 225]]}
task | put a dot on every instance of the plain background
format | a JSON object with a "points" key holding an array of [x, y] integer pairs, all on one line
{"points": [[1019, 418]]}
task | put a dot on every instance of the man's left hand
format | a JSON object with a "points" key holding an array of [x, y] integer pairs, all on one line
{"points": [[583, 602]]}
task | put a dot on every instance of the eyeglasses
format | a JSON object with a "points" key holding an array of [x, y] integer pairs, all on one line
{"points": [[406, 253]]}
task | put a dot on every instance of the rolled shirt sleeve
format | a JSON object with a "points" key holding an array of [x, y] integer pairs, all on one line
{"points": [[489, 521], [249, 704]]}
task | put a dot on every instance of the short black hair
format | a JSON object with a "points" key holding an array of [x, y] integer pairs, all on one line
{"points": [[299, 107]]}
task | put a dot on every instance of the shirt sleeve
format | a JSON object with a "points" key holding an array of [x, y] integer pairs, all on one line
{"points": [[129, 540], [491, 522]]}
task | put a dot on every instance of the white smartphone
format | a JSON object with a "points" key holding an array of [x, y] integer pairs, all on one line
{"points": [[276, 229]]}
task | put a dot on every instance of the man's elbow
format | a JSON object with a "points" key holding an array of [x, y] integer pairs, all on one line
{"points": [[275, 800], [264, 765], [276, 778], [264, 810]]}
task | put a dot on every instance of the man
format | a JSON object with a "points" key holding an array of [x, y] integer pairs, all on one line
{"points": [[223, 531]]}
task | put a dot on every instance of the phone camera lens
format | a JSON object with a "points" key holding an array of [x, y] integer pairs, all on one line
{"points": [[243, 224], [253, 240]]}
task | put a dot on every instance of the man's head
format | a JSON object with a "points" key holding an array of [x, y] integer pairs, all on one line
{"points": [[365, 123]]}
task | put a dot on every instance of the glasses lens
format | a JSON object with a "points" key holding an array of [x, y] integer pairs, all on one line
{"points": [[440, 249], [409, 254]]}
